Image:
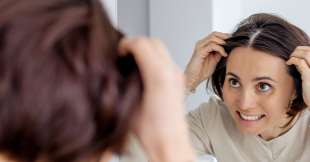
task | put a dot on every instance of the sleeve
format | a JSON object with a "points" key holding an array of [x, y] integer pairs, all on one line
{"points": [[201, 121], [133, 151], [198, 131], [188, 92]]}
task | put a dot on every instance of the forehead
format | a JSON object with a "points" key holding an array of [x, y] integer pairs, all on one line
{"points": [[246, 62]]}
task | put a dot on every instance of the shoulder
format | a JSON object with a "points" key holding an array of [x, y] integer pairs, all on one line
{"points": [[210, 108], [304, 119], [210, 125], [208, 113]]}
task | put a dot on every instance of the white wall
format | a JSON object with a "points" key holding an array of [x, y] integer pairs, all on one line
{"points": [[180, 24], [227, 13], [133, 17], [295, 11], [111, 8]]}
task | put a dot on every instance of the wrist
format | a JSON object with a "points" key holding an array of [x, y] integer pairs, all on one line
{"points": [[180, 152], [189, 84], [186, 155], [168, 145]]}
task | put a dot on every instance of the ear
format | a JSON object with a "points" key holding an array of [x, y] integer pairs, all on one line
{"points": [[294, 96]]}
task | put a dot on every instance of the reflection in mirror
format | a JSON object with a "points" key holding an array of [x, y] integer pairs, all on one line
{"points": [[181, 24]]}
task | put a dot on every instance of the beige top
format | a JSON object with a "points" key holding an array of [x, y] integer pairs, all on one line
{"points": [[214, 132]]}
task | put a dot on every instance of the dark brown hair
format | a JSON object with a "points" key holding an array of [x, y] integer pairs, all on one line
{"points": [[65, 94], [269, 33]]}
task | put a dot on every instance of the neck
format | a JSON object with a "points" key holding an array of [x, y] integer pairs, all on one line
{"points": [[278, 130]]}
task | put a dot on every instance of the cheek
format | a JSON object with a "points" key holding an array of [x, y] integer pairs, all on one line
{"points": [[274, 106], [275, 113]]}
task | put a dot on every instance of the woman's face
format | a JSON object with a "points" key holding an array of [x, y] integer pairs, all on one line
{"points": [[257, 90]]}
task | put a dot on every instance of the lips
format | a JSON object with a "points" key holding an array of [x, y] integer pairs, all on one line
{"points": [[249, 120], [245, 117]]}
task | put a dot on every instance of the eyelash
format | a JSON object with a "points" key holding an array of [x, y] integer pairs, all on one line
{"points": [[262, 83], [233, 79], [257, 87]]}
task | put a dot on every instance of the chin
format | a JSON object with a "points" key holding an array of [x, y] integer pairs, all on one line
{"points": [[249, 130]]}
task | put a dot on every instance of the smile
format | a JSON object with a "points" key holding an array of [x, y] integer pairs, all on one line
{"points": [[249, 120], [251, 117]]}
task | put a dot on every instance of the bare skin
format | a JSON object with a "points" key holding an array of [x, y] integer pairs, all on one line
{"points": [[243, 95], [203, 61], [258, 85]]}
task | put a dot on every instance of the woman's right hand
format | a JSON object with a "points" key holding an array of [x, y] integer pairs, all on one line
{"points": [[204, 60]]}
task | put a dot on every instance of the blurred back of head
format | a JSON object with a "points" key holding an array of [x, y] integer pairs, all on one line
{"points": [[65, 94]]}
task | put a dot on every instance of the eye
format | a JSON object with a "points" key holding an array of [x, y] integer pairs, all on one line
{"points": [[234, 83], [264, 87]]}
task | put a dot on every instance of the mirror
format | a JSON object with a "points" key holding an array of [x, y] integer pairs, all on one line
{"points": [[180, 24]]}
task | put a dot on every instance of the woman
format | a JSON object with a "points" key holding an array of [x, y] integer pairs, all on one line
{"points": [[261, 75], [263, 84], [72, 87]]}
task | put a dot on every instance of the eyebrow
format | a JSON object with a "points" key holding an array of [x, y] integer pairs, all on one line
{"points": [[253, 80]]}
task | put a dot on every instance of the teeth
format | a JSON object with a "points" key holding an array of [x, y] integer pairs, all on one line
{"points": [[251, 117]]}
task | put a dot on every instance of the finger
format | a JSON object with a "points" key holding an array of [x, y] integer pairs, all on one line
{"points": [[142, 51], [302, 55], [301, 64], [215, 37], [222, 35], [213, 47], [212, 39], [123, 45], [302, 48]]}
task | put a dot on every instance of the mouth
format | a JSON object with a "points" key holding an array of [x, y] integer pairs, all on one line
{"points": [[249, 120]]}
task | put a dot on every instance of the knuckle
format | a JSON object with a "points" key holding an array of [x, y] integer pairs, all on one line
{"points": [[293, 59], [156, 41], [213, 37], [212, 44], [140, 41], [306, 53], [215, 32], [302, 61], [198, 42], [198, 51], [307, 48]]}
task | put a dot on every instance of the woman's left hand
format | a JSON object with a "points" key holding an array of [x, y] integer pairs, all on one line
{"points": [[161, 126], [301, 59]]}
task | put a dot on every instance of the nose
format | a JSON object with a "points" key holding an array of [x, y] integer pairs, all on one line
{"points": [[247, 100]]}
